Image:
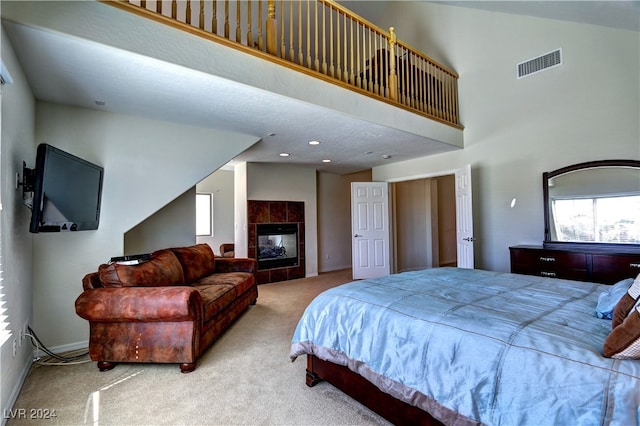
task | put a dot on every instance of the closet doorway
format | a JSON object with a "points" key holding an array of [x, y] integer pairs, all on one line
{"points": [[424, 222]]}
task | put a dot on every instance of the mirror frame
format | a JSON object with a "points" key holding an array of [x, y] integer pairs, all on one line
{"points": [[573, 245]]}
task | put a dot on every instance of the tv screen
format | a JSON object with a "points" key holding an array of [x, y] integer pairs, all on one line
{"points": [[67, 192]]}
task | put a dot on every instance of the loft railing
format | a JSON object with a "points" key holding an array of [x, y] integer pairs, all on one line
{"points": [[323, 39]]}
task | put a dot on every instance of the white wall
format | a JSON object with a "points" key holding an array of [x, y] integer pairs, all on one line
{"points": [[276, 182], [17, 118], [334, 219], [586, 109], [220, 184], [146, 164], [172, 226]]}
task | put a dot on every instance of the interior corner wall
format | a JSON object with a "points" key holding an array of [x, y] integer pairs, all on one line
{"points": [[277, 182], [221, 185], [172, 226], [334, 219], [586, 109], [17, 120], [147, 164]]}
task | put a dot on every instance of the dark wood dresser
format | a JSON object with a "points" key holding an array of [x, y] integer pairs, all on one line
{"points": [[574, 264]]}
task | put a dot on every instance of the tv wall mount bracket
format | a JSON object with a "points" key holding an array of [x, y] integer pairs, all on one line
{"points": [[28, 177]]}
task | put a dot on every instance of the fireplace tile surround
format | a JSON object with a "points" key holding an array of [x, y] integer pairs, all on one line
{"points": [[271, 212]]}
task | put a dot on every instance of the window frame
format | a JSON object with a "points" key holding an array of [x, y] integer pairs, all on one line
{"points": [[200, 215]]}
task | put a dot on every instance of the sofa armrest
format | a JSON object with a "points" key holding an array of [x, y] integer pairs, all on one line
{"points": [[236, 264], [140, 304]]}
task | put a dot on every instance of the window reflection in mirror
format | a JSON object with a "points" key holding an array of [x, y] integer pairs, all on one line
{"points": [[600, 205]]}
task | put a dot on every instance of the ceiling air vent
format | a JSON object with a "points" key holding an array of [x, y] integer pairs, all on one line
{"points": [[542, 62]]}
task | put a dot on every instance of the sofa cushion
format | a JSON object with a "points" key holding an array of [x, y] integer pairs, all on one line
{"points": [[197, 261], [215, 298], [241, 281], [163, 269]]}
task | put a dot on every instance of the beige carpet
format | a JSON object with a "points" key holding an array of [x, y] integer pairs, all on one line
{"points": [[246, 377]]}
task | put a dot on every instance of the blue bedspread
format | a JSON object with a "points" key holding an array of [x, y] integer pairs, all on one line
{"points": [[474, 346]]}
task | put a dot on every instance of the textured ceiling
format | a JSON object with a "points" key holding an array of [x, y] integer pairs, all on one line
{"points": [[74, 71]]}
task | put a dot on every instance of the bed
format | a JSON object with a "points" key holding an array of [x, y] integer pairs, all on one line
{"points": [[460, 346]]}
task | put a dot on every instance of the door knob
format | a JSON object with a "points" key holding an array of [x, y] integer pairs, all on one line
{"points": [[357, 235], [469, 239]]}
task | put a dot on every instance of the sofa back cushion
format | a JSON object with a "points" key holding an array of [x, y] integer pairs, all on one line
{"points": [[197, 261], [162, 269]]}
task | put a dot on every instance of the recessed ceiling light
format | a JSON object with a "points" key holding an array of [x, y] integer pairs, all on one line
{"points": [[99, 102], [314, 143], [271, 134], [386, 156], [284, 154], [369, 152], [326, 160]]}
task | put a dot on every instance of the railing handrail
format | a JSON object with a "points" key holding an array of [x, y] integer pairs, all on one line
{"points": [[380, 66]]}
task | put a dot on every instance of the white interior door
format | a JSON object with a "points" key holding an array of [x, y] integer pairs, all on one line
{"points": [[464, 218], [370, 229]]}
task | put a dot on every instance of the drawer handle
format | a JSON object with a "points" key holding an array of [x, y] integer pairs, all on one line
{"points": [[548, 259], [548, 274], [634, 265]]}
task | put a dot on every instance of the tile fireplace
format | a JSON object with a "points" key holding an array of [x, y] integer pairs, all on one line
{"points": [[276, 239]]}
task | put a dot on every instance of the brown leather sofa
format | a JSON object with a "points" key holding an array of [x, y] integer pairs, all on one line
{"points": [[168, 309]]}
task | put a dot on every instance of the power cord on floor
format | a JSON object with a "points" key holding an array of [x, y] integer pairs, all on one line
{"points": [[61, 360]]}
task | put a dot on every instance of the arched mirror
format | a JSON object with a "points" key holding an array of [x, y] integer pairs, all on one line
{"points": [[595, 204]]}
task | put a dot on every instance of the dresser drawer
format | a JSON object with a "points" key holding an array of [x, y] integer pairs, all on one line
{"points": [[610, 268], [549, 263]]}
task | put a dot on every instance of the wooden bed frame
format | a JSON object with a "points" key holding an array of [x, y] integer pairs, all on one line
{"points": [[396, 411]]}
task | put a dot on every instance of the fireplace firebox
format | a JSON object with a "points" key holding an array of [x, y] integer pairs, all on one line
{"points": [[277, 245]]}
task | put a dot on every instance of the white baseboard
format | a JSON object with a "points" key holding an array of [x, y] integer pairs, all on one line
{"points": [[15, 392], [335, 268]]}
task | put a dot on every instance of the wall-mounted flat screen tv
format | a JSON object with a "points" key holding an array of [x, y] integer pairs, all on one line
{"points": [[67, 192]]}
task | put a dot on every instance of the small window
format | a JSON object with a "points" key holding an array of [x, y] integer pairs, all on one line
{"points": [[204, 215]]}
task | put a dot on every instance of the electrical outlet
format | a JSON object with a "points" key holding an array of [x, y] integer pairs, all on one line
{"points": [[15, 347]]}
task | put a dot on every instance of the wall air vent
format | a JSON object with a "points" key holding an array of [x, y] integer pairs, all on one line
{"points": [[541, 63]]}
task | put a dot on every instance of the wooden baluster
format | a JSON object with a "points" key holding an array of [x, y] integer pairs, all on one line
{"points": [[249, 32], [393, 76], [372, 64], [260, 39], [226, 19], [309, 63], [430, 94], [377, 53], [159, 6], [324, 40], [292, 57], [238, 16], [457, 107], [300, 54], [283, 51], [188, 13], [201, 23], [345, 42], [449, 103], [358, 53], [339, 38], [143, 4], [423, 86], [316, 61], [332, 68], [214, 17], [174, 9], [351, 76]]}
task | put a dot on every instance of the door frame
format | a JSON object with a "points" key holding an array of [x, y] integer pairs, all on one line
{"points": [[393, 261]]}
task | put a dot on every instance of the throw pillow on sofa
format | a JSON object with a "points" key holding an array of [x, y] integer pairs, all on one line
{"points": [[162, 269], [197, 261]]}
